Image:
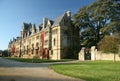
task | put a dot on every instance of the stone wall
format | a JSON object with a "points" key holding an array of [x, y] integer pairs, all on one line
{"points": [[107, 56], [97, 55]]}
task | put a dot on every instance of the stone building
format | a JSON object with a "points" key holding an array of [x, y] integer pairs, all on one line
{"points": [[52, 39]]}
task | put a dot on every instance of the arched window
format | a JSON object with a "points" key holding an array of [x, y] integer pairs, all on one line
{"points": [[37, 47], [24, 49], [32, 45], [32, 48], [27, 49]]}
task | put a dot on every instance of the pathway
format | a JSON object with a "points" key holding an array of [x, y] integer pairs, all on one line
{"points": [[19, 71]]}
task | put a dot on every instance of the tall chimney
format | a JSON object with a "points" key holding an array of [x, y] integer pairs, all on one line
{"points": [[43, 22], [68, 14]]}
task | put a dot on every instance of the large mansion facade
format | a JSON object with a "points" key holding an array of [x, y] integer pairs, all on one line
{"points": [[52, 39]]}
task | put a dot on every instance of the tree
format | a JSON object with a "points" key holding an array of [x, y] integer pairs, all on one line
{"points": [[109, 44], [94, 21], [117, 35], [5, 53], [0, 52]]}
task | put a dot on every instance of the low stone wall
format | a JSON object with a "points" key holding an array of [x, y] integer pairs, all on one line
{"points": [[97, 55], [105, 56]]}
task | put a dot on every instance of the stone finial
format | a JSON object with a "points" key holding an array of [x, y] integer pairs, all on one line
{"points": [[33, 26], [45, 20], [68, 13], [23, 26]]}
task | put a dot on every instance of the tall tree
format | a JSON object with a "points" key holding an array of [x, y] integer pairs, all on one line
{"points": [[96, 20]]}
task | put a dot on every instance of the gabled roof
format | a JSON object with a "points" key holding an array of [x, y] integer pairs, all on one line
{"points": [[58, 20], [26, 26]]}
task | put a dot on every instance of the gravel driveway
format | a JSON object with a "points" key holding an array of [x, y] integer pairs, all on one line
{"points": [[19, 71]]}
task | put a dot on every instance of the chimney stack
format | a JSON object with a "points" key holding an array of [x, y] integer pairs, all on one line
{"points": [[68, 14]]}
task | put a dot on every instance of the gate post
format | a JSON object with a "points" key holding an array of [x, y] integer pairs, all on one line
{"points": [[81, 54], [93, 53]]}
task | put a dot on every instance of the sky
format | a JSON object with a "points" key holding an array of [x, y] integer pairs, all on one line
{"points": [[14, 12]]}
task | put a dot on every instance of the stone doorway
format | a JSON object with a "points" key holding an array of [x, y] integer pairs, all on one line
{"points": [[87, 54]]}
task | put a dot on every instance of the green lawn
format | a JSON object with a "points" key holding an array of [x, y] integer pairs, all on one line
{"points": [[36, 60], [91, 71]]}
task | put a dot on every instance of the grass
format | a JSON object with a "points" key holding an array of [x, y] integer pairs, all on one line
{"points": [[28, 60], [90, 71]]}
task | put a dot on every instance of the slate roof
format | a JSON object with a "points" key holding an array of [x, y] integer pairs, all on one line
{"points": [[58, 20], [27, 26]]}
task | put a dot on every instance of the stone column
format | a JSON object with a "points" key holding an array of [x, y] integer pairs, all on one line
{"points": [[93, 53], [81, 54]]}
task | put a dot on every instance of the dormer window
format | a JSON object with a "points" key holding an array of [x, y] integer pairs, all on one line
{"points": [[46, 33], [46, 42]]}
